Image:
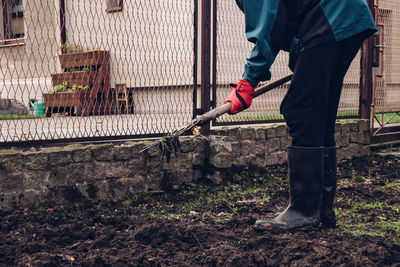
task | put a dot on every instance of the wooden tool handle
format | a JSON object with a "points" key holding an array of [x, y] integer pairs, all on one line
{"points": [[268, 87], [219, 111], [225, 108]]}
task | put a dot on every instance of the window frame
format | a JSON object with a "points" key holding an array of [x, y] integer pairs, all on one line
{"points": [[9, 41], [117, 8]]}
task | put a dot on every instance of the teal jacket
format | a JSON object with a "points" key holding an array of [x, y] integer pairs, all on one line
{"points": [[296, 25]]}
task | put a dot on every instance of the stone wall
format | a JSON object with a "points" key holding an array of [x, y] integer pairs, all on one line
{"points": [[112, 171]]}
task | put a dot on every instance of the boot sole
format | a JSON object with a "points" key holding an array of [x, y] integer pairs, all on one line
{"points": [[328, 219], [274, 228]]}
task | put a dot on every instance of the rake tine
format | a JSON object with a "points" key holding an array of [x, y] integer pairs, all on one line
{"points": [[150, 145]]}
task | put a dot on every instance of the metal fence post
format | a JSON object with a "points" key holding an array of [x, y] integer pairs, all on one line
{"points": [[205, 59], [62, 22], [214, 53], [195, 55], [366, 80]]}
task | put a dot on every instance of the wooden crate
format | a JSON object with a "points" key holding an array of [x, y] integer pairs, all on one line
{"points": [[76, 77], [63, 100], [97, 100], [91, 58]]}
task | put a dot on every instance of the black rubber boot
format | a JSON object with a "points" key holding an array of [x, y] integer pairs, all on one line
{"points": [[306, 170], [326, 211]]}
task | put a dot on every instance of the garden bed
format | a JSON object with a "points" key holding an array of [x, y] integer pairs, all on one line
{"points": [[206, 225]]}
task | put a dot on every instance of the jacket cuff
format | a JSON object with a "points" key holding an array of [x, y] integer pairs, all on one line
{"points": [[252, 81]]}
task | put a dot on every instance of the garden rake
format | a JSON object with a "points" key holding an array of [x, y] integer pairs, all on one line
{"points": [[171, 141]]}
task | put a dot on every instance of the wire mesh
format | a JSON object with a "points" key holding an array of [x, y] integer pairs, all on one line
{"points": [[232, 51], [387, 93], [87, 69], [80, 69]]}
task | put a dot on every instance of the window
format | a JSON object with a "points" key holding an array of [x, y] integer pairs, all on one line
{"points": [[11, 22], [114, 5]]}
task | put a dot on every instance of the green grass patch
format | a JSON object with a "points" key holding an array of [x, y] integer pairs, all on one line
{"points": [[384, 117], [258, 117], [389, 226], [344, 115], [393, 185], [219, 202], [349, 114], [380, 228], [19, 117], [366, 231], [370, 219]]}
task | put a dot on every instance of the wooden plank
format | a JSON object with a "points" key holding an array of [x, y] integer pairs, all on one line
{"points": [[91, 58], [67, 99], [92, 106], [76, 77], [107, 94]]}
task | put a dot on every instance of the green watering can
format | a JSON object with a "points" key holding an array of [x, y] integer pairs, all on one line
{"points": [[38, 107]]}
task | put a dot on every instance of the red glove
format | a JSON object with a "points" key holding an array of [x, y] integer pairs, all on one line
{"points": [[240, 97]]}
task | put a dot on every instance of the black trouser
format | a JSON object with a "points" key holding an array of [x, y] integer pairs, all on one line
{"points": [[311, 103]]}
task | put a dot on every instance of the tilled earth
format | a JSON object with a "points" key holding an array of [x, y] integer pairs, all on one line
{"points": [[206, 225]]}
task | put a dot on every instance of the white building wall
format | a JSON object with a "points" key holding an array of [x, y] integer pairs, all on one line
{"points": [[151, 41], [151, 44], [25, 69]]}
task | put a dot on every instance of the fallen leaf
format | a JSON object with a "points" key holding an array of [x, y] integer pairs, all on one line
{"points": [[196, 132], [70, 258], [192, 212], [152, 202], [67, 257], [54, 209], [251, 200]]}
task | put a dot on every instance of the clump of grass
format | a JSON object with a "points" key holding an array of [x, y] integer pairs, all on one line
{"points": [[358, 216], [219, 202]]}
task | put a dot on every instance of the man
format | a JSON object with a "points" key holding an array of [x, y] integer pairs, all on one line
{"points": [[323, 37]]}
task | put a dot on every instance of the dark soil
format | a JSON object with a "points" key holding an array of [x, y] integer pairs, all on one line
{"points": [[205, 225]]}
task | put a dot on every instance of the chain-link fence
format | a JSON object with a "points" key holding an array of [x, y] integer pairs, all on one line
{"points": [[232, 51], [76, 69], [82, 69]]}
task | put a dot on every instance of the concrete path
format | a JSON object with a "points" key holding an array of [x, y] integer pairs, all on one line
{"points": [[94, 126]]}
